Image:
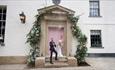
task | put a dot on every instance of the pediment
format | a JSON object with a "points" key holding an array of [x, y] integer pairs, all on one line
{"points": [[56, 9]]}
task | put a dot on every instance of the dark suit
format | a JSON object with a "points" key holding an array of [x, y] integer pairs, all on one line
{"points": [[52, 49]]}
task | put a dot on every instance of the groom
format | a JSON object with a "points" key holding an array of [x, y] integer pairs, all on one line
{"points": [[52, 49]]}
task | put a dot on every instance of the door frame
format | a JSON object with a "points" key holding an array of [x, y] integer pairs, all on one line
{"points": [[56, 24]]}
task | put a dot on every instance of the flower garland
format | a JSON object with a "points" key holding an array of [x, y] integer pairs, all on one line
{"points": [[34, 36], [81, 38]]}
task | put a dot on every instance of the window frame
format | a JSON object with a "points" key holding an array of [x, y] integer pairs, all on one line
{"points": [[3, 18], [100, 31], [97, 9]]}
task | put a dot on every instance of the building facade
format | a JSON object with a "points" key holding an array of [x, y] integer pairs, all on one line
{"points": [[96, 22]]}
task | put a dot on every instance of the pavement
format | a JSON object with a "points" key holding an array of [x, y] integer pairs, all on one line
{"points": [[96, 63]]}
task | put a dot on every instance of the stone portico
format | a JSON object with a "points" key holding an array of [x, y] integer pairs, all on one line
{"points": [[57, 18]]}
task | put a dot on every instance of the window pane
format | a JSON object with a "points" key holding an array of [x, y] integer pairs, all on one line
{"points": [[91, 12], [95, 12], [0, 27], [4, 10], [3, 31], [4, 23], [4, 16], [0, 10], [0, 16], [91, 4], [0, 24], [95, 4]]}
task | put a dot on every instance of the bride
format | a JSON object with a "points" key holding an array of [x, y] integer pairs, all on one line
{"points": [[59, 50]]}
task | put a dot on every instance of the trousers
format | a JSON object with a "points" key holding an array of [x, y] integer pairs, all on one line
{"points": [[51, 53]]}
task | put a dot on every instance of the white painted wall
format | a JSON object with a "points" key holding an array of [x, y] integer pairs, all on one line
{"points": [[15, 36]]}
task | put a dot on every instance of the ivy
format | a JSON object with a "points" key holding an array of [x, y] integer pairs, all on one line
{"points": [[33, 38], [81, 38]]}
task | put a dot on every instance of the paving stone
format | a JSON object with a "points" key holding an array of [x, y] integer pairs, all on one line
{"points": [[96, 64]]}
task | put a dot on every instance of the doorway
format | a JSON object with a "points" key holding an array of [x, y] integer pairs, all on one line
{"points": [[57, 33]]}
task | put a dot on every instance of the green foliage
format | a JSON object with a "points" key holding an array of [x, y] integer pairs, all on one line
{"points": [[74, 20], [81, 38], [31, 58], [33, 38], [81, 53]]}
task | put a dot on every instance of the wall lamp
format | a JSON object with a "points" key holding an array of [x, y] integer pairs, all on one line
{"points": [[22, 17]]}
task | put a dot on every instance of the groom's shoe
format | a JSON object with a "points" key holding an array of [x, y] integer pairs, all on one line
{"points": [[56, 59], [51, 62]]}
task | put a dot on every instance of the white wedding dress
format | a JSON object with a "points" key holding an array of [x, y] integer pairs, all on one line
{"points": [[59, 49]]}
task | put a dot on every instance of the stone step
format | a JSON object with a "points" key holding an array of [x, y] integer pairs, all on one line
{"points": [[56, 64], [60, 59]]}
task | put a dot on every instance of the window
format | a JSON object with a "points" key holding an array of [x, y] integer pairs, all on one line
{"points": [[95, 38], [94, 8], [2, 23]]}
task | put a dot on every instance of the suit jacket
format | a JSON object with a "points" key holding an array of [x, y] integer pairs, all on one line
{"points": [[52, 45]]}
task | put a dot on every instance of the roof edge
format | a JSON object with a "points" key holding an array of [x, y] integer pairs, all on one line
{"points": [[52, 6]]}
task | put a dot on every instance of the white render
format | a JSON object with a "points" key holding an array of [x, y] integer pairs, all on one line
{"points": [[15, 31]]}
